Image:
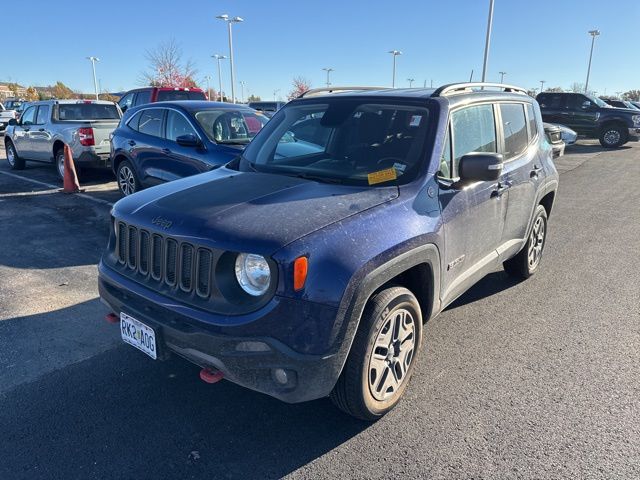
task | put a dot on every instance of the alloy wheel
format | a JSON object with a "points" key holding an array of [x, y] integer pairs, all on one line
{"points": [[392, 354], [126, 180], [11, 155], [612, 137], [536, 243], [60, 165]]}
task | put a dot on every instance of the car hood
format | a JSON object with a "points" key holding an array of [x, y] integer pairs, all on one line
{"points": [[246, 211]]}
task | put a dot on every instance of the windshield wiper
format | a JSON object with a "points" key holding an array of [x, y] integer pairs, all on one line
{"points": [[318, 178]]}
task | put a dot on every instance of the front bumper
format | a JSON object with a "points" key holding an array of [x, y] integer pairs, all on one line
{"points": [[558, 149], [634, 132], [239, 352]]}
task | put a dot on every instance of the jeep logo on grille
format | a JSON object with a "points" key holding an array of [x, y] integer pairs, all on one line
{"points": [[162, 222]]}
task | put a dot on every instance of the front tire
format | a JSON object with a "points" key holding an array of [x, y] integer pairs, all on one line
{"points": [[613, 136], [382, 357], [527, 261], [15, 162]]}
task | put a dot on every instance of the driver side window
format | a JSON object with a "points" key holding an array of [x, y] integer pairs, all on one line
{"points": [[28, 117]]}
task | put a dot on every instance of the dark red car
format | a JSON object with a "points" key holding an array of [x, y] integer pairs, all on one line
{"points": [[141, 96]]}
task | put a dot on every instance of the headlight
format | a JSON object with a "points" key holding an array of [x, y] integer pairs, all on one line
{"points": [[636, 119], [253, 273]]}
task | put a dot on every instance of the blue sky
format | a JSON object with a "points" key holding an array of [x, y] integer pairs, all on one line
{"points": [[280, 39]]}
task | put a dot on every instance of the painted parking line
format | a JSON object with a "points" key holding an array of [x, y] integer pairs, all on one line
{"points": [[50, 186]]}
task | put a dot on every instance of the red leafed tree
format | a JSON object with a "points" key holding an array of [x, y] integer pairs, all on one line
{"points": [[167, 68], [300, 85]]}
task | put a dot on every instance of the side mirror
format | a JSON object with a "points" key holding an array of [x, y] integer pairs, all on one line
{"points": [[13, 122], [123, 108], [188, 140], [480, 167], [586, 105]]}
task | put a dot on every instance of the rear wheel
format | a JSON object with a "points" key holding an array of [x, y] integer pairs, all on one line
{"points": [[382, 357], [526, 262], [127, 181], [15, 162], [613, 136]]}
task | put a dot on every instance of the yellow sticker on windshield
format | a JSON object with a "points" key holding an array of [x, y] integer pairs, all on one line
{"points": [[382, 176]]}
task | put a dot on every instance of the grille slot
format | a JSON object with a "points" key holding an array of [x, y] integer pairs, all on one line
{"points": [[186, 267], [156, 257], [122, 243], [203, 274], [143, 262], [132, 247], [171, 261]]}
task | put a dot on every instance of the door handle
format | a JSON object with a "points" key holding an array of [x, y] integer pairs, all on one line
{"points": [[166, 151], [131, 142], [501, 187], [41, 129]]}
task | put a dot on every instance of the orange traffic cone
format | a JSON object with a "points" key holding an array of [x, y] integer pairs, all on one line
{"points": [[71, 184]]}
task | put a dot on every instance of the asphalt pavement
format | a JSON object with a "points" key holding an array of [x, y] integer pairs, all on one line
{"points": [[537, 379]]}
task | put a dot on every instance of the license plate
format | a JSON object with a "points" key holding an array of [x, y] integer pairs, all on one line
{"points": [[138, 334]]}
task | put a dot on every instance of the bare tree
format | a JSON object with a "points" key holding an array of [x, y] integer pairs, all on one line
{"points": [[633, 95], [577, 87], [167, 67], [300, 85]]}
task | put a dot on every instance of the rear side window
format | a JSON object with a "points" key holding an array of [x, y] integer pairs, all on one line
{"points": [[171, 95], [88, 111], [151, 122], [533, 125], [144, 97], [474, 130], [43, 114], [514, 126]]}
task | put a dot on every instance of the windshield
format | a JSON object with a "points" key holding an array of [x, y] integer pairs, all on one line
{"points": [[88, 111], [232, 127], [598, 102], [343, 141], [630, 105]]}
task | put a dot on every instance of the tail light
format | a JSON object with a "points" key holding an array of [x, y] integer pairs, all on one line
{"points": [[86, 137]]}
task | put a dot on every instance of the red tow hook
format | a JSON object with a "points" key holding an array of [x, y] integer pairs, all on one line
{"points": [[112, 318], [210, 376]]}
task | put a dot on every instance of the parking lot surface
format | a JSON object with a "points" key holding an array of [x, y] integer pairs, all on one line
{"points": [[537, 379]]}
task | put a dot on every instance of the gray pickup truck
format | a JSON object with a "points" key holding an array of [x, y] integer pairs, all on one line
{"points": [[44, 128]]}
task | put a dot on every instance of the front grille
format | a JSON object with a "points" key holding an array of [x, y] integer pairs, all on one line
{"points": [[165, 259]]}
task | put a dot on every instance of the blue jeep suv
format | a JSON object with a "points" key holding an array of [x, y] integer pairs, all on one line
{"points": [[307, 266]]}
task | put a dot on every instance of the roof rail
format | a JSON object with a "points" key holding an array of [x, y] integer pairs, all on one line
{"points": [[454, 88], [322, 90]]}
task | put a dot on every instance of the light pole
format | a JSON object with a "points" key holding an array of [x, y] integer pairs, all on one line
{"points": [[542, 82], [594, 34], [487, 42], [275, 92], [410, 80], [502, 74], [394, 53], [229, 22], [208, 79], [328, 70], [242, 84], [93, 61], [219, 57]]}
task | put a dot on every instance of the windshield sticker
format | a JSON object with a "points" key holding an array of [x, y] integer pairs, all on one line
{"points": [[382, 176], [415, 120], [400, 167]]}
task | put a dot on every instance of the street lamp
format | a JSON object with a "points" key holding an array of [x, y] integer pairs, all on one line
{"points": [[230, 21], [410, 80], [594, 34], [275, 92], [208, 79], [542, 82], [487, 42], [242, 84], [93, 61], [219, 57], [394, 53], [502, 74], [328, 70]]}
